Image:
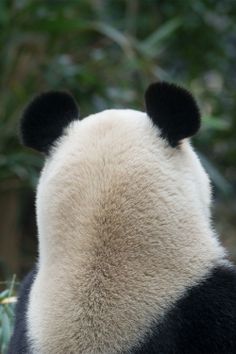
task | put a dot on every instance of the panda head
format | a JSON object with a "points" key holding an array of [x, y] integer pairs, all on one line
{"points": [[118, 166], [123, 218], [145, 158]]}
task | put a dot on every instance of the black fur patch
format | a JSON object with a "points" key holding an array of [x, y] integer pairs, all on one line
{"points": [[202, 322], [45, 118], [19, 343], [173, 110]]}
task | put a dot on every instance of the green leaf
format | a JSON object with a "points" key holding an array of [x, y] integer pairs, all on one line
{"points": [[151, 44], [115, 35], [6, 328], [4, 294]]}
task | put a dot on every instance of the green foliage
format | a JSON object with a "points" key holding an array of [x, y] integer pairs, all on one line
{"points": [[7, 304]]}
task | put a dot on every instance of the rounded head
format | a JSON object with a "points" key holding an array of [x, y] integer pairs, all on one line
{"points": [[139, 151], [123, 219]]}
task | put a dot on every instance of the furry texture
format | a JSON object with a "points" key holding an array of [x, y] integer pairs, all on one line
{"points": [[124, 230], [173, 110], [202, 322], [45, 118]]}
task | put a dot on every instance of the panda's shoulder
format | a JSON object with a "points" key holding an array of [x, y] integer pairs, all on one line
{"points": [[190, 326]]}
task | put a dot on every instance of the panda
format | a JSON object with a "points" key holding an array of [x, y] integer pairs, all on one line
{"points": [[128, 259]]}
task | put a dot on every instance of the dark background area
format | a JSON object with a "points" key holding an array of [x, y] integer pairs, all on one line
{"points": [[106, 53]]}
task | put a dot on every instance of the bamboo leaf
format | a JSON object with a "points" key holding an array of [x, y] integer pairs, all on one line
{"points": [[115, 35], [151, 44], [6, 328]]}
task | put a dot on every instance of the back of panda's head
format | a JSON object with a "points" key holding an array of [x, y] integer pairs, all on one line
{"points": [[122, 213], [118, 170]]}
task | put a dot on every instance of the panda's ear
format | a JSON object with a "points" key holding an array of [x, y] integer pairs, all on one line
{"points": [[45, 117], [173, 110]]}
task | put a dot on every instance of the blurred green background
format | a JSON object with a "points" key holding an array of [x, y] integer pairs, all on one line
{"points": [[106, 53]]}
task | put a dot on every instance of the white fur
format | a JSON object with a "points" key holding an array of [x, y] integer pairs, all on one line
{"points": [[123, 222]]}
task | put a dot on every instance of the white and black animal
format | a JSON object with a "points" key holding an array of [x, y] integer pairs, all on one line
{"points": [[128, 259]]}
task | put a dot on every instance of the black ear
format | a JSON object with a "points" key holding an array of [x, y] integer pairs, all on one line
{"points": [[45, 117], [173, 110]]}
